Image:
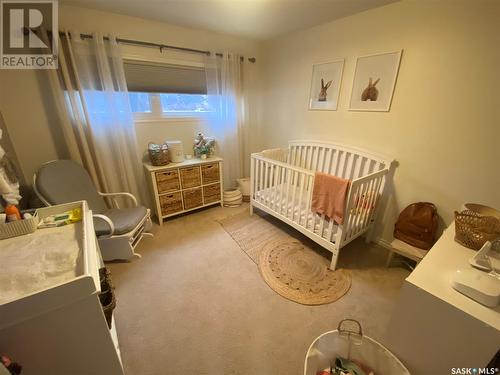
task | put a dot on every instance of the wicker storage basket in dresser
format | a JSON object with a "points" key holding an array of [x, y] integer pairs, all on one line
{"points": [[167, 181], [192, 198], [190, 177], [185, 186], [170, 203], [211, 193], [210, 173]]}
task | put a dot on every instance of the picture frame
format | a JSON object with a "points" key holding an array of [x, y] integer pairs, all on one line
{"points": [[374, 81], [326, 81]]}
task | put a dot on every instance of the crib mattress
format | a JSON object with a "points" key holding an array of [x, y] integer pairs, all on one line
{"points": [[276, 199]]}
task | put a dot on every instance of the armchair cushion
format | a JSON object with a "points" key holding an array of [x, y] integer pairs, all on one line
{"points": [[124, 220], [65, 181]]}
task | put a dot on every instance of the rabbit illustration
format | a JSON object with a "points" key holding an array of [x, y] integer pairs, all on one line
{"points": [[371, 92], [322, 93]]}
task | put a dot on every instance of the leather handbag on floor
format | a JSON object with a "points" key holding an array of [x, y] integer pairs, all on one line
{"points": [[417, 225]]}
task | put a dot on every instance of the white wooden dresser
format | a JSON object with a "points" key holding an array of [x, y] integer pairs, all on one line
{"points": [[185, 186], [435, 329]]}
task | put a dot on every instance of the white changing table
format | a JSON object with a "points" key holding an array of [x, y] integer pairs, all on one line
{"points": [[55, 324], [434, 328]]}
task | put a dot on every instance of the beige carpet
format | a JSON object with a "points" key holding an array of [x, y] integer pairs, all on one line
{"points": [[194, 304], [289, 265]]}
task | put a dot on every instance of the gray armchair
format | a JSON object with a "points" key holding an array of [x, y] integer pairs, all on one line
{"points": [[118, 230]]}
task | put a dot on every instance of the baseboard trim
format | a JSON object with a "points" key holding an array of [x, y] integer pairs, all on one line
{"points": [[383, 243]]}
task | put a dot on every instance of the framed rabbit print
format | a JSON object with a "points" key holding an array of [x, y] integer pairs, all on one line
{"points": [[325, 85], [374, 82]]}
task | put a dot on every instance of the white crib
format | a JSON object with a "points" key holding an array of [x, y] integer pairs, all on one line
{"points": [[281, 183]]}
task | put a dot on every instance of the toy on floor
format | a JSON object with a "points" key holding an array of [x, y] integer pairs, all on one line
{"points": [[343, 366], [14, 368], [9, 183]]}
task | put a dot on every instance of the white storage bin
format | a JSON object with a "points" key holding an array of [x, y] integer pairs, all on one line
{"points": [[18, 227], [175, 151], [244, 185], [354, 346]]}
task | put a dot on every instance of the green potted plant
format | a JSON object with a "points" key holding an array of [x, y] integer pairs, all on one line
{"points": [[204, 151], [203, 146]]}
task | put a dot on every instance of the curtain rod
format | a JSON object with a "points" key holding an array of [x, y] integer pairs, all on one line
{"points": [[158, 45]]}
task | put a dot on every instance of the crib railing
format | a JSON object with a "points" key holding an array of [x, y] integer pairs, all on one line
{"points": [[292, 196], [339, 160], [363, 197], [292, 193], [277, 154], [273, 173]]}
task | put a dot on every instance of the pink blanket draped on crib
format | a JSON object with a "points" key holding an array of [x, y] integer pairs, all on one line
{"points": [[329, 196]]}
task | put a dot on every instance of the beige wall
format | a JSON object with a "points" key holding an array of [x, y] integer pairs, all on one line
{"points": [[444, 124], [29, 124], [25, 97]]}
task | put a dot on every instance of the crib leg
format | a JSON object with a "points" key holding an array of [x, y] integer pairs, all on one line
{"points": [[333, 263], [251, 209], [369, 234]]}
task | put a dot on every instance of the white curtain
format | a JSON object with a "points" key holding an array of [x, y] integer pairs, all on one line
{"points": [[98, 124], [226, 122]]}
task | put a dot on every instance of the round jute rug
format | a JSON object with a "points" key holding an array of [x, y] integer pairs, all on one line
{"points": [[298, 273]]}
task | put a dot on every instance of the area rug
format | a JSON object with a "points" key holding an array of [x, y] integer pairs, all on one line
{"points": [[287, 263], [251, 233]]}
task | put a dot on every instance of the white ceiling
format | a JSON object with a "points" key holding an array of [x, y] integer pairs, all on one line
{"points": [[258, 19]]}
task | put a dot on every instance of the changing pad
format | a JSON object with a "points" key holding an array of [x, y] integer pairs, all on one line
{"points": [[38, 261]]}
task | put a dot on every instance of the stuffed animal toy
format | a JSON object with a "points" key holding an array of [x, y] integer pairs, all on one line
{"points": [[13, 367], [9, 184]]}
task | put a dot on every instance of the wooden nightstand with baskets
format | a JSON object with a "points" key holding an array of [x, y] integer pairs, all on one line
{"points": [[185, 186]]}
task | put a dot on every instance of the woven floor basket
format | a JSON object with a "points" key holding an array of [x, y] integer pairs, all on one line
{"points": [[472, 229]]}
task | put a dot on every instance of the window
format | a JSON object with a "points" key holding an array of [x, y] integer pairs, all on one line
{"points": [[184, 103], [162, 91], [140, 102], [169, 104]]}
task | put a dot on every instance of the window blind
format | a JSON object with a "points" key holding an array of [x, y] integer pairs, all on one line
{"points": [[144, 77]]}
